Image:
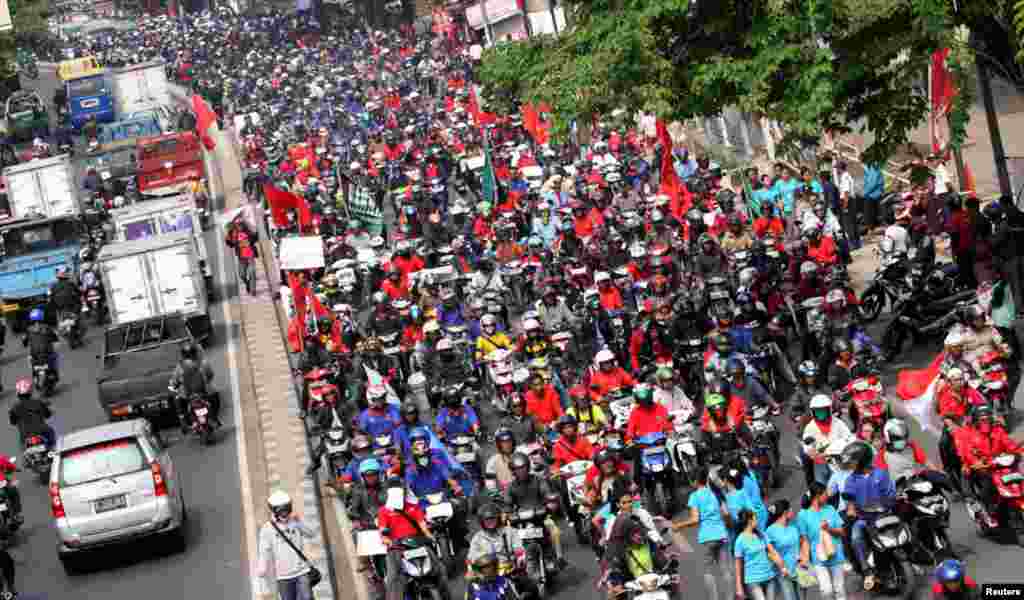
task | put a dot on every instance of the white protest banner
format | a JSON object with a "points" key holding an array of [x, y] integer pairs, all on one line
{"points": [[301, 253]]}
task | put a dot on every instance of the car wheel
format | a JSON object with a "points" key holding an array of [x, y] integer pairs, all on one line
{"points": [[70, 565], [176, 540]]}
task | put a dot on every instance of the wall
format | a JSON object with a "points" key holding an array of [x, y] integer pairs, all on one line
{"points": [[540, 21]]}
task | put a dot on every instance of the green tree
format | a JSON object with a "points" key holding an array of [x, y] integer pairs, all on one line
{"points": [[810, 64]]}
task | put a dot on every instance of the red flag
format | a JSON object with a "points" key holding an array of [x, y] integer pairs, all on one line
{"points": [[305, 213], [543, 127], [530, 120], [942, 93], [911, 383], [671, 186], [318, 308], [280, 203], [298, 296], [296, 334], [205, 118]]}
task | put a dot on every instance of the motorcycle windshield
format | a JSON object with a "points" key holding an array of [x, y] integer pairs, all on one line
{"points": [[652, 439]]}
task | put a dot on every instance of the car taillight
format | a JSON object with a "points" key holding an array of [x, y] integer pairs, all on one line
{"points": [[56, 506], [159, 485], [121, 411], [34, 441]]}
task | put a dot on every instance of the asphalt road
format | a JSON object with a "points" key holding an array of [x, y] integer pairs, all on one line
{"points": [[211, 565]]}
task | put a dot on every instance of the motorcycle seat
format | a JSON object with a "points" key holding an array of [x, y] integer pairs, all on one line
{"points": [[950, 269]]}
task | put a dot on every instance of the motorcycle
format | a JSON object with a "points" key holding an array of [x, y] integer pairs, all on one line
{"points": [[9, 524], [655, 586], [422, 574], [866, 402], [202, 424], [43, 377], [765, 459], [888, 285], [38, 457], [655, 474], [439, 512], [323, 399], [889, 542], [682, 447], [927, 311], [529, 524], [574, 475], [464, 449], [500, 369], [1008, 513], [994, 386], [926, 510], [68, 328], [92, 303], [336, 448]]}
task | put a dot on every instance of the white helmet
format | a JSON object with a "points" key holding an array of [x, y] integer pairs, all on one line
{"points": [[531, 325], [895, 430], [820, 401], [955, 338], [601, 276], [835, 449], [489, 320], [604, 356], [444, 344], [280, 503]]}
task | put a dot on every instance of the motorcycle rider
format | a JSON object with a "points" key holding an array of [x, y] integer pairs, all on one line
{"points": [[570, 446], [718, 418], [637, 556], [981, 337], [904, 457], [368, 496], [748, 388], [590, 416], [542, 401], [867, 488], [518, 421], [533, 343], [486, 582], [402, 518], [29, 414], [499, 466], [609, 376], [493, 540], [822, 429], [807, 387], [977, 444], [193, 376], [952, 583], [553, 310], [379, 417], [456, 418], [531, 491], [670, 395], [40, 338], [736, 238], [65, 295], [429, 474]]}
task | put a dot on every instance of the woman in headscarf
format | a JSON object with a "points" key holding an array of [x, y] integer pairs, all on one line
{"points": [[635, 557]]}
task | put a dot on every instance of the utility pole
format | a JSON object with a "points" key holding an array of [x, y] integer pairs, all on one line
{"points": [[985, 83], [488, 34], [552, 5]]}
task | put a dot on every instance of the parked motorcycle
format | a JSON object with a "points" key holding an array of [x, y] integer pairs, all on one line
{"points": [[929, 310], [888, 286]]}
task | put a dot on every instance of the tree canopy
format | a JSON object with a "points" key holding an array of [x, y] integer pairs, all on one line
{"points": [[812, 65]]}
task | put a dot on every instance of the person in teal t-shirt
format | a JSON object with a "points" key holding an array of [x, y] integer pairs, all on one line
{"points": [[757, 562], [751, 486], [710, 515], [785, 189], [818, 518], [763, 192], [783, 534]]}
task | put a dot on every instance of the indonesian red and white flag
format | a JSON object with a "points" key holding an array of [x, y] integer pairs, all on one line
{"points": [[917, 388]]}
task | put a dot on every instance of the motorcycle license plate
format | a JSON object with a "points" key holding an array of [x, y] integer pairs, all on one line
{"points": [[3, 507], [531, 533], [1013, 478], [689, 448], [335, 449], [657, 468], [202, 412], [35, 449], [392, 351], [466, 457], [655, 595], [415, 553], [440, 511]]}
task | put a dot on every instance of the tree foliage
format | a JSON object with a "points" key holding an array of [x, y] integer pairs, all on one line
{"points": [[810, 64]]}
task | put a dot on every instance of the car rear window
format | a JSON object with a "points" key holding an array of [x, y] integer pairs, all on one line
{"points": [[100, 461]]}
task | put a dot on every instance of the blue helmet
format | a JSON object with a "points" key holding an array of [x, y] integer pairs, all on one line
{"points": [[950, 571], [36, 315], [419, 434], [370, 465]]}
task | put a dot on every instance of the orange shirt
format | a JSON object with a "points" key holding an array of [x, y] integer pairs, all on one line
{"points": [[545, 406]]}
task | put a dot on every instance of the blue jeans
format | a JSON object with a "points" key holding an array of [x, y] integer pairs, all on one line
{"points": [[296, 588], [788, 588], [859, 540]]}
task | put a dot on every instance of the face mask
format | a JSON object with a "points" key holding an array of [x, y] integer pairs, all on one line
{"points": [[899, 444], [821, 415]]}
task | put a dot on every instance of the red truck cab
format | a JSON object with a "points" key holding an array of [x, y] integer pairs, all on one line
{"points": [[168, 162]]}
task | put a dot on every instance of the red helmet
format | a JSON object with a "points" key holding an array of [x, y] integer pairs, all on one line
{"points": [[23, 387]]}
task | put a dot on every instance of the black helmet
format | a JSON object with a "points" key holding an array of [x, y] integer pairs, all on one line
{"points": [[604, 456], [410, 409], [859, 454], [564, 421], [519, 461], [504, 434], [452, 399], [993, 211], [842, 345]]}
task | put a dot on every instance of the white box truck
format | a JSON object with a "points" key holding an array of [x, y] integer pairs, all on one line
{"points": [[140, 87], [163, 216], [42, 188], [154, 277]]}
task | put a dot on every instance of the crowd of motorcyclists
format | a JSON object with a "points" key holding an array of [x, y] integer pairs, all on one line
{"points": [[569, 348]]}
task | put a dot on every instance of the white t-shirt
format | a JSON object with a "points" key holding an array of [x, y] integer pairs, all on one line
{"points": [[941, 179], [845, 183]]}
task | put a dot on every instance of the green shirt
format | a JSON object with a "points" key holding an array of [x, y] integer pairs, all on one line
{"points": [[639, 560]]}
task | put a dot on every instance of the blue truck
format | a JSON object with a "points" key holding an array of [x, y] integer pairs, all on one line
{"points": [[88, 91], [31, 253]]}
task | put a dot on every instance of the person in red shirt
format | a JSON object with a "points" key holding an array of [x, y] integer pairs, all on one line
{"points": [[397, 525], [608, 294], [406, 262], [482, 229], [583, 223], [394, 287], [608, 467], [977, 445], [609, 375], [768, 223], [954, 399], [820, 248], [719, 416], [648, 417], [542, 402], [570, 446]]}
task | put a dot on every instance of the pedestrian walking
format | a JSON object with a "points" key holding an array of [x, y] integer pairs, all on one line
{"points": [[874, 189], [280, 551], [848, 212]]}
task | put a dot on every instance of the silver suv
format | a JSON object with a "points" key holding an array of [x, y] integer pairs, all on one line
{"points": [[114, 483]]}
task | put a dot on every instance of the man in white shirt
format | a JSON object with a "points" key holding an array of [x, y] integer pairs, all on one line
{"points": [[277, 558], [847, 206], [941, 174]]}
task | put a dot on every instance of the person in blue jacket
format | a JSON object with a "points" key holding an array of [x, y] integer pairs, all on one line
{"points": [[456, 418], [428, 474], [379, 418], [867, 489]]}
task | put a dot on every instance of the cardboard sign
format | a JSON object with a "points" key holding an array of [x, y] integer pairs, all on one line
{"points": [[301, 253]]}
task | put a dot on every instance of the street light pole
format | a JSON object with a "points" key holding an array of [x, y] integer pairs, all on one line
{"points": [[488, 34], [985, 83]]}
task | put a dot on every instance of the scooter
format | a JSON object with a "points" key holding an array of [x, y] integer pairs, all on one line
{"points": [[889, 542], [68, 328], [422, 575], [574, 475], [203, 424], [655, 586], [439, 512], [38, 457], [1008, 513], [656, 475], [926, 510], [529, 524], [764, 454]]}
